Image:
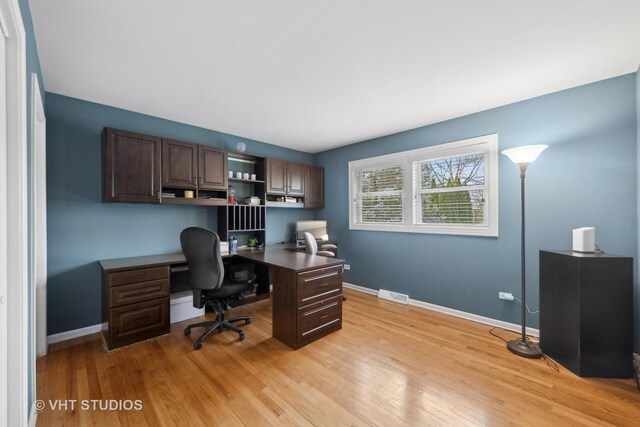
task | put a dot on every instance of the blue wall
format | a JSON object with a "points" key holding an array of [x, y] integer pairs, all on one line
{"points": [[83, 230], [33, 66], [587, 177]]}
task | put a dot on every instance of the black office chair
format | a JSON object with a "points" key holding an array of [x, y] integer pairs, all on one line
{"points": [[201, 248]]}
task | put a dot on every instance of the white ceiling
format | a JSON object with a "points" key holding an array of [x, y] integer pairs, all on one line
{"points": [[314, 75]]}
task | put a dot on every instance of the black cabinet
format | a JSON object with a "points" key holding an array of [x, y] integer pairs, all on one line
{"points": [[586, 312]]}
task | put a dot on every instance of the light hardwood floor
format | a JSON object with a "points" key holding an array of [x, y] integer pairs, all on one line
{"points": [[389, 365]]}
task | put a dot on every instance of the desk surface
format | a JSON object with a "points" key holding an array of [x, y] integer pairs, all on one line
{"points": [[275, 255]]}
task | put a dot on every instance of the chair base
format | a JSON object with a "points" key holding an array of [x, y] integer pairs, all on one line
{"points": [[218, 325]]}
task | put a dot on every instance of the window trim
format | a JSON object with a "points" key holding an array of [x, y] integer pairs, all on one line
{"points": [[485, 143]]}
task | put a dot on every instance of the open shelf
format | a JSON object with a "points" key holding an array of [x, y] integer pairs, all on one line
{"points": [[193, 201], [247, 180], [284, 205]]}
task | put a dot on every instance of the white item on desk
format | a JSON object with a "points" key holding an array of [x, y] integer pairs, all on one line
{"points": [[584, 239], [224, 247]]}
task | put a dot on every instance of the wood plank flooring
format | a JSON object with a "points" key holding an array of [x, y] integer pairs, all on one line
{"points": [[389, 365]]}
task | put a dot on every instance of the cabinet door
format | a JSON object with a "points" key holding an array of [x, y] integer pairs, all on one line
{"points": [[295, 179], [314, 187], [276, 176], [212, 171], [131, 167], [179, 164]]}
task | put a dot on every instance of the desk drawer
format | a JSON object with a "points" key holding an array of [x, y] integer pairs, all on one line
{"points": [[319, 319], [136, 322], [137, 292], [319, 284], [138, 275]]}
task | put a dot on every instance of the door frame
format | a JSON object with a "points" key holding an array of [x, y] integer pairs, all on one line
{"points": [[13, 225], [38, 162]]}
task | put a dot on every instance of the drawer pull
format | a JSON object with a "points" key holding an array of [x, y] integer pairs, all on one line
{"points": [[320, 327], [308, 313], [322, 276], [142, 319], [322, 294], [136, 293]]}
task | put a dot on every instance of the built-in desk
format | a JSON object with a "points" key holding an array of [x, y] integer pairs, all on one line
{"points": [[307, 295]]}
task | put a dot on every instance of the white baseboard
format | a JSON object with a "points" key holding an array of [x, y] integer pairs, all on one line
{"points": [[452, 312], [76, 333], [360, 288], [33, 415], [68, 335]]}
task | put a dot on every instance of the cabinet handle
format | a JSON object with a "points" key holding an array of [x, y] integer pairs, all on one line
{"points": [[194, 180], [142, 292], [142, 319]]}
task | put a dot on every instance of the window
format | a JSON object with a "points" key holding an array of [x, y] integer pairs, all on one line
{"points": [[448, 189]]}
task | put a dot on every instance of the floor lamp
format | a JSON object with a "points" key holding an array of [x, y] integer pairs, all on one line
{"points": [[523, 156]]}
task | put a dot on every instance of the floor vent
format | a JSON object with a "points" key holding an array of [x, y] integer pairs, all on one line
{"points": [[393, 296]]}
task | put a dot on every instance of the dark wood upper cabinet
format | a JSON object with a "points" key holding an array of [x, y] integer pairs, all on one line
{"points": [[314, 187], [212, 168], [295, 179], [179, 164], [276, 176], [131, 167], [192, 166], [284, 177]]}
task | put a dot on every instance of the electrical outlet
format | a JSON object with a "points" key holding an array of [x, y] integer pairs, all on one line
{"points": [[505, 296], [347, 267]]}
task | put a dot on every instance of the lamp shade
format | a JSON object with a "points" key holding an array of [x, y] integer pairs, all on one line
{"points": [[524, 154]]}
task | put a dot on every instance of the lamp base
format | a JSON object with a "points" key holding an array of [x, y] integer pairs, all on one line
{"points": [[524, 349]]}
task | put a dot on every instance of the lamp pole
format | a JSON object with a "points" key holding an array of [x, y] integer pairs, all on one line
{"points": [[523, 156], [523, 170]]}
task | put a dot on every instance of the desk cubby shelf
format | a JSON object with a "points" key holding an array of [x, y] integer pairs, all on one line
{"points": [[242, 221]]}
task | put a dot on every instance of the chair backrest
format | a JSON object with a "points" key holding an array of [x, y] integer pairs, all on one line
{"points": [[310, 244], [201, 248]]}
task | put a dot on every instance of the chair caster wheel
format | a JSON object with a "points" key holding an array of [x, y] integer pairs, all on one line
{"points": [[241, 336], [246, 322], [187, 331], [197, 345]]}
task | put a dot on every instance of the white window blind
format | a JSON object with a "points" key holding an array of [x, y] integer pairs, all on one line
{"points": [[379, 195], [449, 188]]}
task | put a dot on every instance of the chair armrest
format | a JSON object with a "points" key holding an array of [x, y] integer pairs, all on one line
{"points": [[198, 301], [326, 253], [328, 246]]}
